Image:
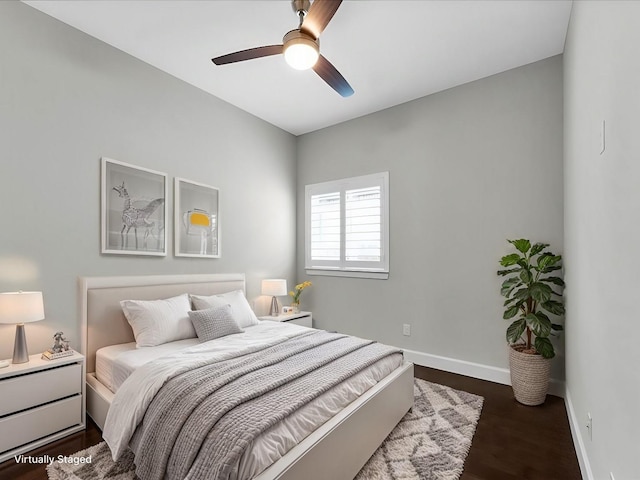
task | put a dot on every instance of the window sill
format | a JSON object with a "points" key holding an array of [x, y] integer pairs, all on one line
{"points": [[348, 273]]}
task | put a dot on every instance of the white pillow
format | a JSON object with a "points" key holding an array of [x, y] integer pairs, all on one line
{"points": [[155, 322], [214, 323], [240, 308]]}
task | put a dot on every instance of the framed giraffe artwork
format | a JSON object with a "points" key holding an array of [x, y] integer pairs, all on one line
{"points": [[197, 219], [134, 209]]}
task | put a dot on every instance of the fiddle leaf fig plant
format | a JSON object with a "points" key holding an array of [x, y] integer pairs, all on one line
{"points": [[532, 291]]}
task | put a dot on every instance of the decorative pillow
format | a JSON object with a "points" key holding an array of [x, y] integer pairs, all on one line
{"points": [[155, 322], [214, 323], [240, 308]]}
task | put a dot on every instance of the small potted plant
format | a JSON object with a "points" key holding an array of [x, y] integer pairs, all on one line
{"points": [[295, 295], [532, 292]]}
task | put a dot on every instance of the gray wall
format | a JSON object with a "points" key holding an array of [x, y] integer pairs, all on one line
{"points": [[602, 211], [469, 167], [66, 100]]}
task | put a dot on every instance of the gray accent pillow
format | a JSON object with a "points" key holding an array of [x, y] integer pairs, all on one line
{"points": [[239, 305], [214, 322]]}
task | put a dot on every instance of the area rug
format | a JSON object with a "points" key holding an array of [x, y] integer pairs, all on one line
{"points": [[431, 442]]}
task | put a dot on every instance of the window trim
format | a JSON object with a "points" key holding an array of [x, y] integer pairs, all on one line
{"points": [[343, 268]]}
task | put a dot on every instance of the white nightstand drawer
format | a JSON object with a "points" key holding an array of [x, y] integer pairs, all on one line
{"points": [[25, 427], [304, 321], [26, 391]]}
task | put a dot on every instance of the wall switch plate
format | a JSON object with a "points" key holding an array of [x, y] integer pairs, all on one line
{"points": [[603, 143], [590, 425], [406, 330]]}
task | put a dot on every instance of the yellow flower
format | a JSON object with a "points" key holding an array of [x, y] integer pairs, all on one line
{"points": [[299, 288]]}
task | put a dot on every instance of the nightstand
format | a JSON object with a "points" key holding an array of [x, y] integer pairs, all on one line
{"points": [[42, 401], [301, 318]]}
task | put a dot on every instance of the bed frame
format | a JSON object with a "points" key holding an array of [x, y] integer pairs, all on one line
{"points": [[337, 450]]}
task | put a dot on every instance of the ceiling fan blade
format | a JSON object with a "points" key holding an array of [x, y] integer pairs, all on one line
{"points": [[249, 54], [319, 15], [332, 76]]}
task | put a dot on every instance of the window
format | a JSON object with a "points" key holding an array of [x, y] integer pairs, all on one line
{"points": [[347, 227]]}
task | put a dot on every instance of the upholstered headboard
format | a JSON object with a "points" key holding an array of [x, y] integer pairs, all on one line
{"points": [[103, 322]]}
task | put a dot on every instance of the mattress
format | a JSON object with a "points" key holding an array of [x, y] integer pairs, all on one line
{"points": [[115, 363]]}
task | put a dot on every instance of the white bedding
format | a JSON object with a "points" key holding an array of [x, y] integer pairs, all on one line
{"points": [[148, 371]]}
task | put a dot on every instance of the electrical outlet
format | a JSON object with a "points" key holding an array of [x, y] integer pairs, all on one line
{"points": [[590, 425], [406, 330]]}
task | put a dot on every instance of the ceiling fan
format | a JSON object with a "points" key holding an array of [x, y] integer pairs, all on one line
{"points": [[301, 46]]}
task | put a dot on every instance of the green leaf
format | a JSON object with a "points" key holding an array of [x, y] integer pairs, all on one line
{"points": [[553, 306], [508, 285], [537, 248], [513, 299], [547, 260], [540, 292], [554, 280], [555, 259], [542, 316], [544, 347], [522, 245], [509, 260], [507, 272], [540, 325], [556, 327], [515, 330], [522, 294], [551, 269], [525, 276], [510, 312]]}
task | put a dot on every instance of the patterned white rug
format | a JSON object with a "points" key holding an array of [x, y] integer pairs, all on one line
{"points": [[431, 442]]}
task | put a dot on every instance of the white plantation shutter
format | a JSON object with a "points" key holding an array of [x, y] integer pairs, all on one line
{"points": [[325, 227], [363, 228], [347, 225]]}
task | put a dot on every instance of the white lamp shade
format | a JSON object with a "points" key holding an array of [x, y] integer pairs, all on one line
{"points": [[21, 307], [274, 287]]}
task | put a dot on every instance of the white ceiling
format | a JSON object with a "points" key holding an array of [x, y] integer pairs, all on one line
{"points": [[389, 51]]}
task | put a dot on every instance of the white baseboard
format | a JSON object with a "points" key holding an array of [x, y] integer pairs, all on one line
{"points": [[475, 370], [578, 444]]}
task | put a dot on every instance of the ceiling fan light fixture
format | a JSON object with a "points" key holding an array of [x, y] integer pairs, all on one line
{"points": [[300, 50]]}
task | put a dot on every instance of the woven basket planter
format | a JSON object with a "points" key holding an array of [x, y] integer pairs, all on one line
{"points": [[529, 376]]}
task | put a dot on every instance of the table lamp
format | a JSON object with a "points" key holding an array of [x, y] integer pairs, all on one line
{"points": [[275, 287], [19, 308]]}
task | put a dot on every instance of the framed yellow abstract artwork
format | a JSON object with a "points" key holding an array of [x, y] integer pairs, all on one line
{"points": [[197, 220]]}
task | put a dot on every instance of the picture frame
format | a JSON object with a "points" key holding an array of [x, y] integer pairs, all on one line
{"points": [[133, 209], [197, 219]]}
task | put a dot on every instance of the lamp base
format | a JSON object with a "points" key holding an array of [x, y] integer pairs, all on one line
{"points": [[274, 311], [20, 352]]}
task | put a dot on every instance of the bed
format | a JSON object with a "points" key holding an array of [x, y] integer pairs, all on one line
{"points": [[337, 449]]}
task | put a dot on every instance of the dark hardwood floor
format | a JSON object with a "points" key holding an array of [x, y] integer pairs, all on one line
{"points": [[512, 441]]}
